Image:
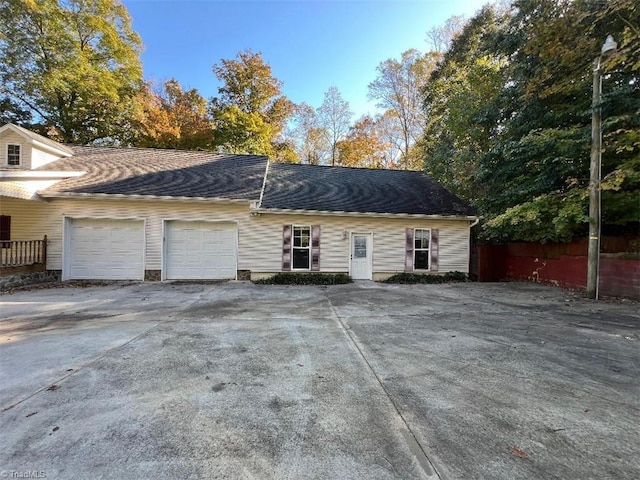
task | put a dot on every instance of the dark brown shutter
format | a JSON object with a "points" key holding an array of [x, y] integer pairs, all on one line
{"points": [[286, 248], [408, 257], [315, 248], [435, 235], [5, 227]]}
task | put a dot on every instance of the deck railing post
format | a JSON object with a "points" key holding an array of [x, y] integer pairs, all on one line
{"points": [[44, 252]]}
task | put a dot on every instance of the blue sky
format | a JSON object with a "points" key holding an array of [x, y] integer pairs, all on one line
{"points": [[310, 45]]}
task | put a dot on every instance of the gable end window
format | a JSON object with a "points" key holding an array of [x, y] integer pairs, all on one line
{"points": [[421, 239], [301, 248], [14, 155]]}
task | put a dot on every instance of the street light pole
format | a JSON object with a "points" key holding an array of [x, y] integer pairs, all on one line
{"points": [[595, 217]]}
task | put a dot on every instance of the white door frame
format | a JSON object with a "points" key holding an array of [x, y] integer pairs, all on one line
{"points": [[369, 236]]}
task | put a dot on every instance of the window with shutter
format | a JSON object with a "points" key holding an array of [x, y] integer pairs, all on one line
{"points": [[301, 248], [421, 241]]}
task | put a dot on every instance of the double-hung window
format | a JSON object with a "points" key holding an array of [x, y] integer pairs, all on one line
{"points": [[301, 248], [14, 156], [421, 239]]}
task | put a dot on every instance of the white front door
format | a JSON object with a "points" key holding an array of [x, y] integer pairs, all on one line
{"points": [[361, 256]]}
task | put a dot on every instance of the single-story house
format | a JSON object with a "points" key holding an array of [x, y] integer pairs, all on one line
{"points": [[153, 214]]}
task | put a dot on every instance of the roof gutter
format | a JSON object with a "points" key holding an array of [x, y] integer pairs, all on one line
{"points": [[120, 196], [283, 211]]}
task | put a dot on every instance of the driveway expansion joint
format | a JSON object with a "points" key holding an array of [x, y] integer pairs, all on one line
{"points": [[410, 437]]}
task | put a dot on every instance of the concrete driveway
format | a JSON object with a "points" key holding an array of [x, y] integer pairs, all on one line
{"points": [[498, 381]]}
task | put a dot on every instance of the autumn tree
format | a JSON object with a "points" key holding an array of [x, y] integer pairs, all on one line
{"points": [[73, 66], [250, 112], [171, 117], [309, 137], [362, 146], [335, 117], [440, 37], [397, 90]]}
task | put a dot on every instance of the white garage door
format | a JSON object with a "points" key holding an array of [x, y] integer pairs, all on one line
{"points": [[200, 251], [100, 249]]}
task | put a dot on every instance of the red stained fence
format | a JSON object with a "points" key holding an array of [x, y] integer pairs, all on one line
{"points": [[563, 265]]}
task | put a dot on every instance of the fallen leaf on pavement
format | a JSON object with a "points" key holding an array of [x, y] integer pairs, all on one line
{"points": [[518, 453]]}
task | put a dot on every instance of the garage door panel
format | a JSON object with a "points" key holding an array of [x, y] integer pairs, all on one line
{"points": [[200, 250], [104, 249]]}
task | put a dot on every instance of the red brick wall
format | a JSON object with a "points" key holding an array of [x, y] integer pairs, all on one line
{"points": [[563, 265]]}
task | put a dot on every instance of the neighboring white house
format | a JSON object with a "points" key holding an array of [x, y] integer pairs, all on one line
{"points": [[134, 214]]}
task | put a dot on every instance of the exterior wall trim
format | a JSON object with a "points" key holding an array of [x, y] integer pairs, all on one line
{"points": [[119, 196], [39, 174], [361, 214]]}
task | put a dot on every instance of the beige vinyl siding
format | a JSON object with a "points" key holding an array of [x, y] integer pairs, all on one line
{"points": [[9, 137], [40, 158], [259, 237], [32, 220], [261, 246]]}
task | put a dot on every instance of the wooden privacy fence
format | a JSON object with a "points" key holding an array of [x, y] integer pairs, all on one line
{"points": [[22, 253]]}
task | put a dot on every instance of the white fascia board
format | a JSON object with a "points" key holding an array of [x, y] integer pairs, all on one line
{"points": [[38, 174], [120, 196], [283, 211], [51, 149]]}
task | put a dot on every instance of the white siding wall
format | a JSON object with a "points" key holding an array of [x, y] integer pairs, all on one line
{"points": [[40, 158], [8, 137], [260, 237]]}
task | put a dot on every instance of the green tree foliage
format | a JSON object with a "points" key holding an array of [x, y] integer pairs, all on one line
{"points": [[510, 105], [171, 117], [250, 112], [240, 132], [73, 65], [461, 108]]}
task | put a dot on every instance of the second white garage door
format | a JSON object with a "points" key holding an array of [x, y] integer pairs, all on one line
{"points": [[200, 250]]}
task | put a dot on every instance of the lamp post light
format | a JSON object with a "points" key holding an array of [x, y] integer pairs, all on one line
{"points": [[595, 219]]}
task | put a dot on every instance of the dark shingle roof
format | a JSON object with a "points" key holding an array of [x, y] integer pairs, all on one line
{"points": [[340, 189], [156, 172]]}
